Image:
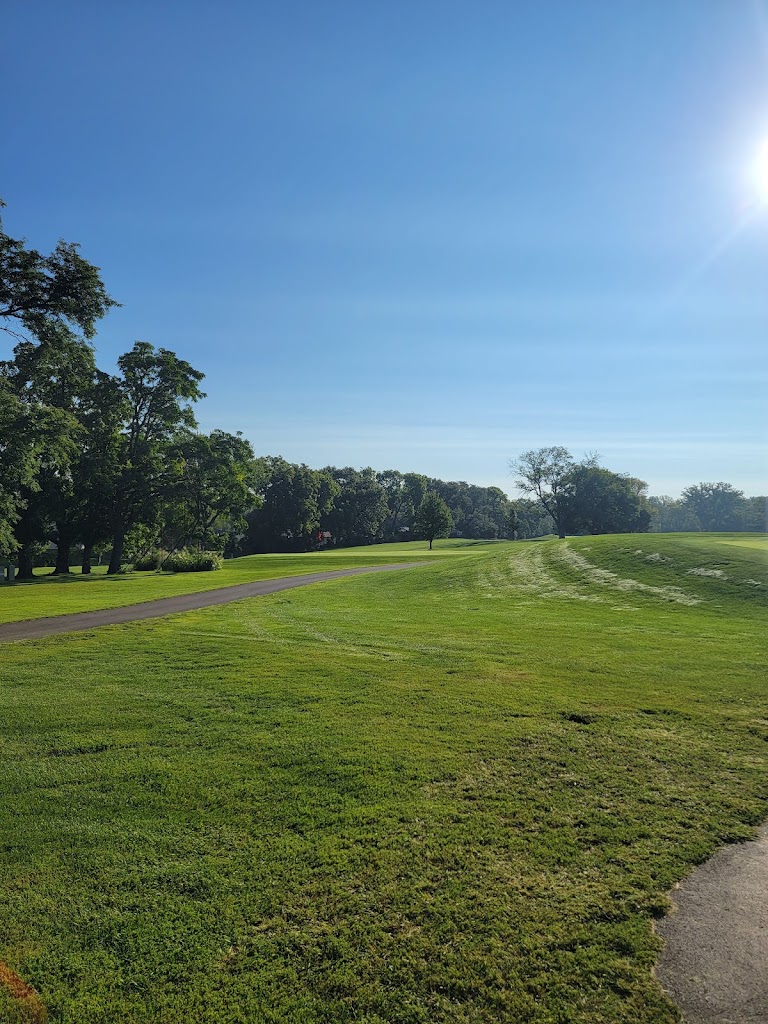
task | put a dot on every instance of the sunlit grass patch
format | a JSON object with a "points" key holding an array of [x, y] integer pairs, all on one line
{"points": [[381, 799], [49, 595]]}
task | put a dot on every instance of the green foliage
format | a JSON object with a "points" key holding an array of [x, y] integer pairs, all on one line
{"points": [[150, 561], [595, 500], [360, 507], [399, 504], [188, 560], [531, 520], [45, 295], [715, 506], [19, 461], [433, 518], [292, 501], [669, 515], [140, 539], [544, 472], [709, 507], [480, 513], [50, 304], [211, 487], [580, 497], [157, 389]]}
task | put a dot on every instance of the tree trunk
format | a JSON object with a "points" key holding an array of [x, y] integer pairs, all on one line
{"points": [[25, 563], [62, 558], [116, 558], [87, 556], [430, 543]]}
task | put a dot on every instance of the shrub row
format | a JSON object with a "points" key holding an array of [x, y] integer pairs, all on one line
{"points": [[180, 561], [150, 560], [194, 561]]}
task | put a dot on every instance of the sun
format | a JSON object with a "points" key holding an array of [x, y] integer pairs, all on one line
{"points": [[760, 173]]}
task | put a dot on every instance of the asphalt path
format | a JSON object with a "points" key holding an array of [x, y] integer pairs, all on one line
{"points": [[715, 959], [32, 629]]}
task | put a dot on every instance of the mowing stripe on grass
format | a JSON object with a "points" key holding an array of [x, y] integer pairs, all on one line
{"points": [[31, 629]]}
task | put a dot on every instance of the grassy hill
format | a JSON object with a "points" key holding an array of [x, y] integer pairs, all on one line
{"points": [[458, 793]]}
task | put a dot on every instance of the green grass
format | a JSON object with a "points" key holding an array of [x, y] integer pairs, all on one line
{"points": [[755, 541], [454, 794], [56, 595]]}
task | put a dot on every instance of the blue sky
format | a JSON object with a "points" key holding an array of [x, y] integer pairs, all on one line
{"points": [[424, 235]]}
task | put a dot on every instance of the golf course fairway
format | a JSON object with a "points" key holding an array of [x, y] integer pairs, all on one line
{"points": [[458, 792]]}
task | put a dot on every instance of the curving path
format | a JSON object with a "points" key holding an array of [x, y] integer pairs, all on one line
{"points": [[31, 629], [715, 961]]}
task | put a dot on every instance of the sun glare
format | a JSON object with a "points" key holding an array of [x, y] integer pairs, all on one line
{"points": [[760, 173]]}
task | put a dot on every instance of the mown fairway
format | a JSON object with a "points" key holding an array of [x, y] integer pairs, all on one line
{"points": [[56, 595], [454, 793]]}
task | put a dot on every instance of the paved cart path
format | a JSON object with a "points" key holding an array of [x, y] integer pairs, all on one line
{"points": [[31, 629], [715, 961]]}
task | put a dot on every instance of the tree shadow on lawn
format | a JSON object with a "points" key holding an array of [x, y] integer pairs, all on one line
{"points": [[73, 577]]}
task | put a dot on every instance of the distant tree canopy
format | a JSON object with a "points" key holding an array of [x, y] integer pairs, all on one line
{"points": [[291, 502], [596, 500], [711, 507], [582, 497], [360, 507], [301, 508], [91, 460]]}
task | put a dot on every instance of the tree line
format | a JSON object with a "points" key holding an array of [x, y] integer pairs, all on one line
{"points": [[92, 461], [298, 508], [709, 507], [583, 497]]}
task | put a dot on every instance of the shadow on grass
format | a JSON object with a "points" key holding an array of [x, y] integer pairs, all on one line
{"points": [[83, 578]]}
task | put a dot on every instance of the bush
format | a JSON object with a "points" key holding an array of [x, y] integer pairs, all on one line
{"points": [[194, 561], [149, 560]]}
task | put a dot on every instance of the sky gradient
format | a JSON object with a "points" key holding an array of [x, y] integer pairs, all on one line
{"points": [[421, 236]]}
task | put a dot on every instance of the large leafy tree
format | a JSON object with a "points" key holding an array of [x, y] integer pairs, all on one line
{"points": [[670, 515], [756, 514], [433, 518], [48, 380], [582, 497], [544, 472], [211, 487], [595, 500], [30, 437], [360, 507], [95, 468], [392, 482], [43, 295], [50, 303], [715, 506], [293, 500], [157, 389]]}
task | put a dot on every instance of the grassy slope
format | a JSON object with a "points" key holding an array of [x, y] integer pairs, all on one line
{"points": [[52, 595], [458, 793]]}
